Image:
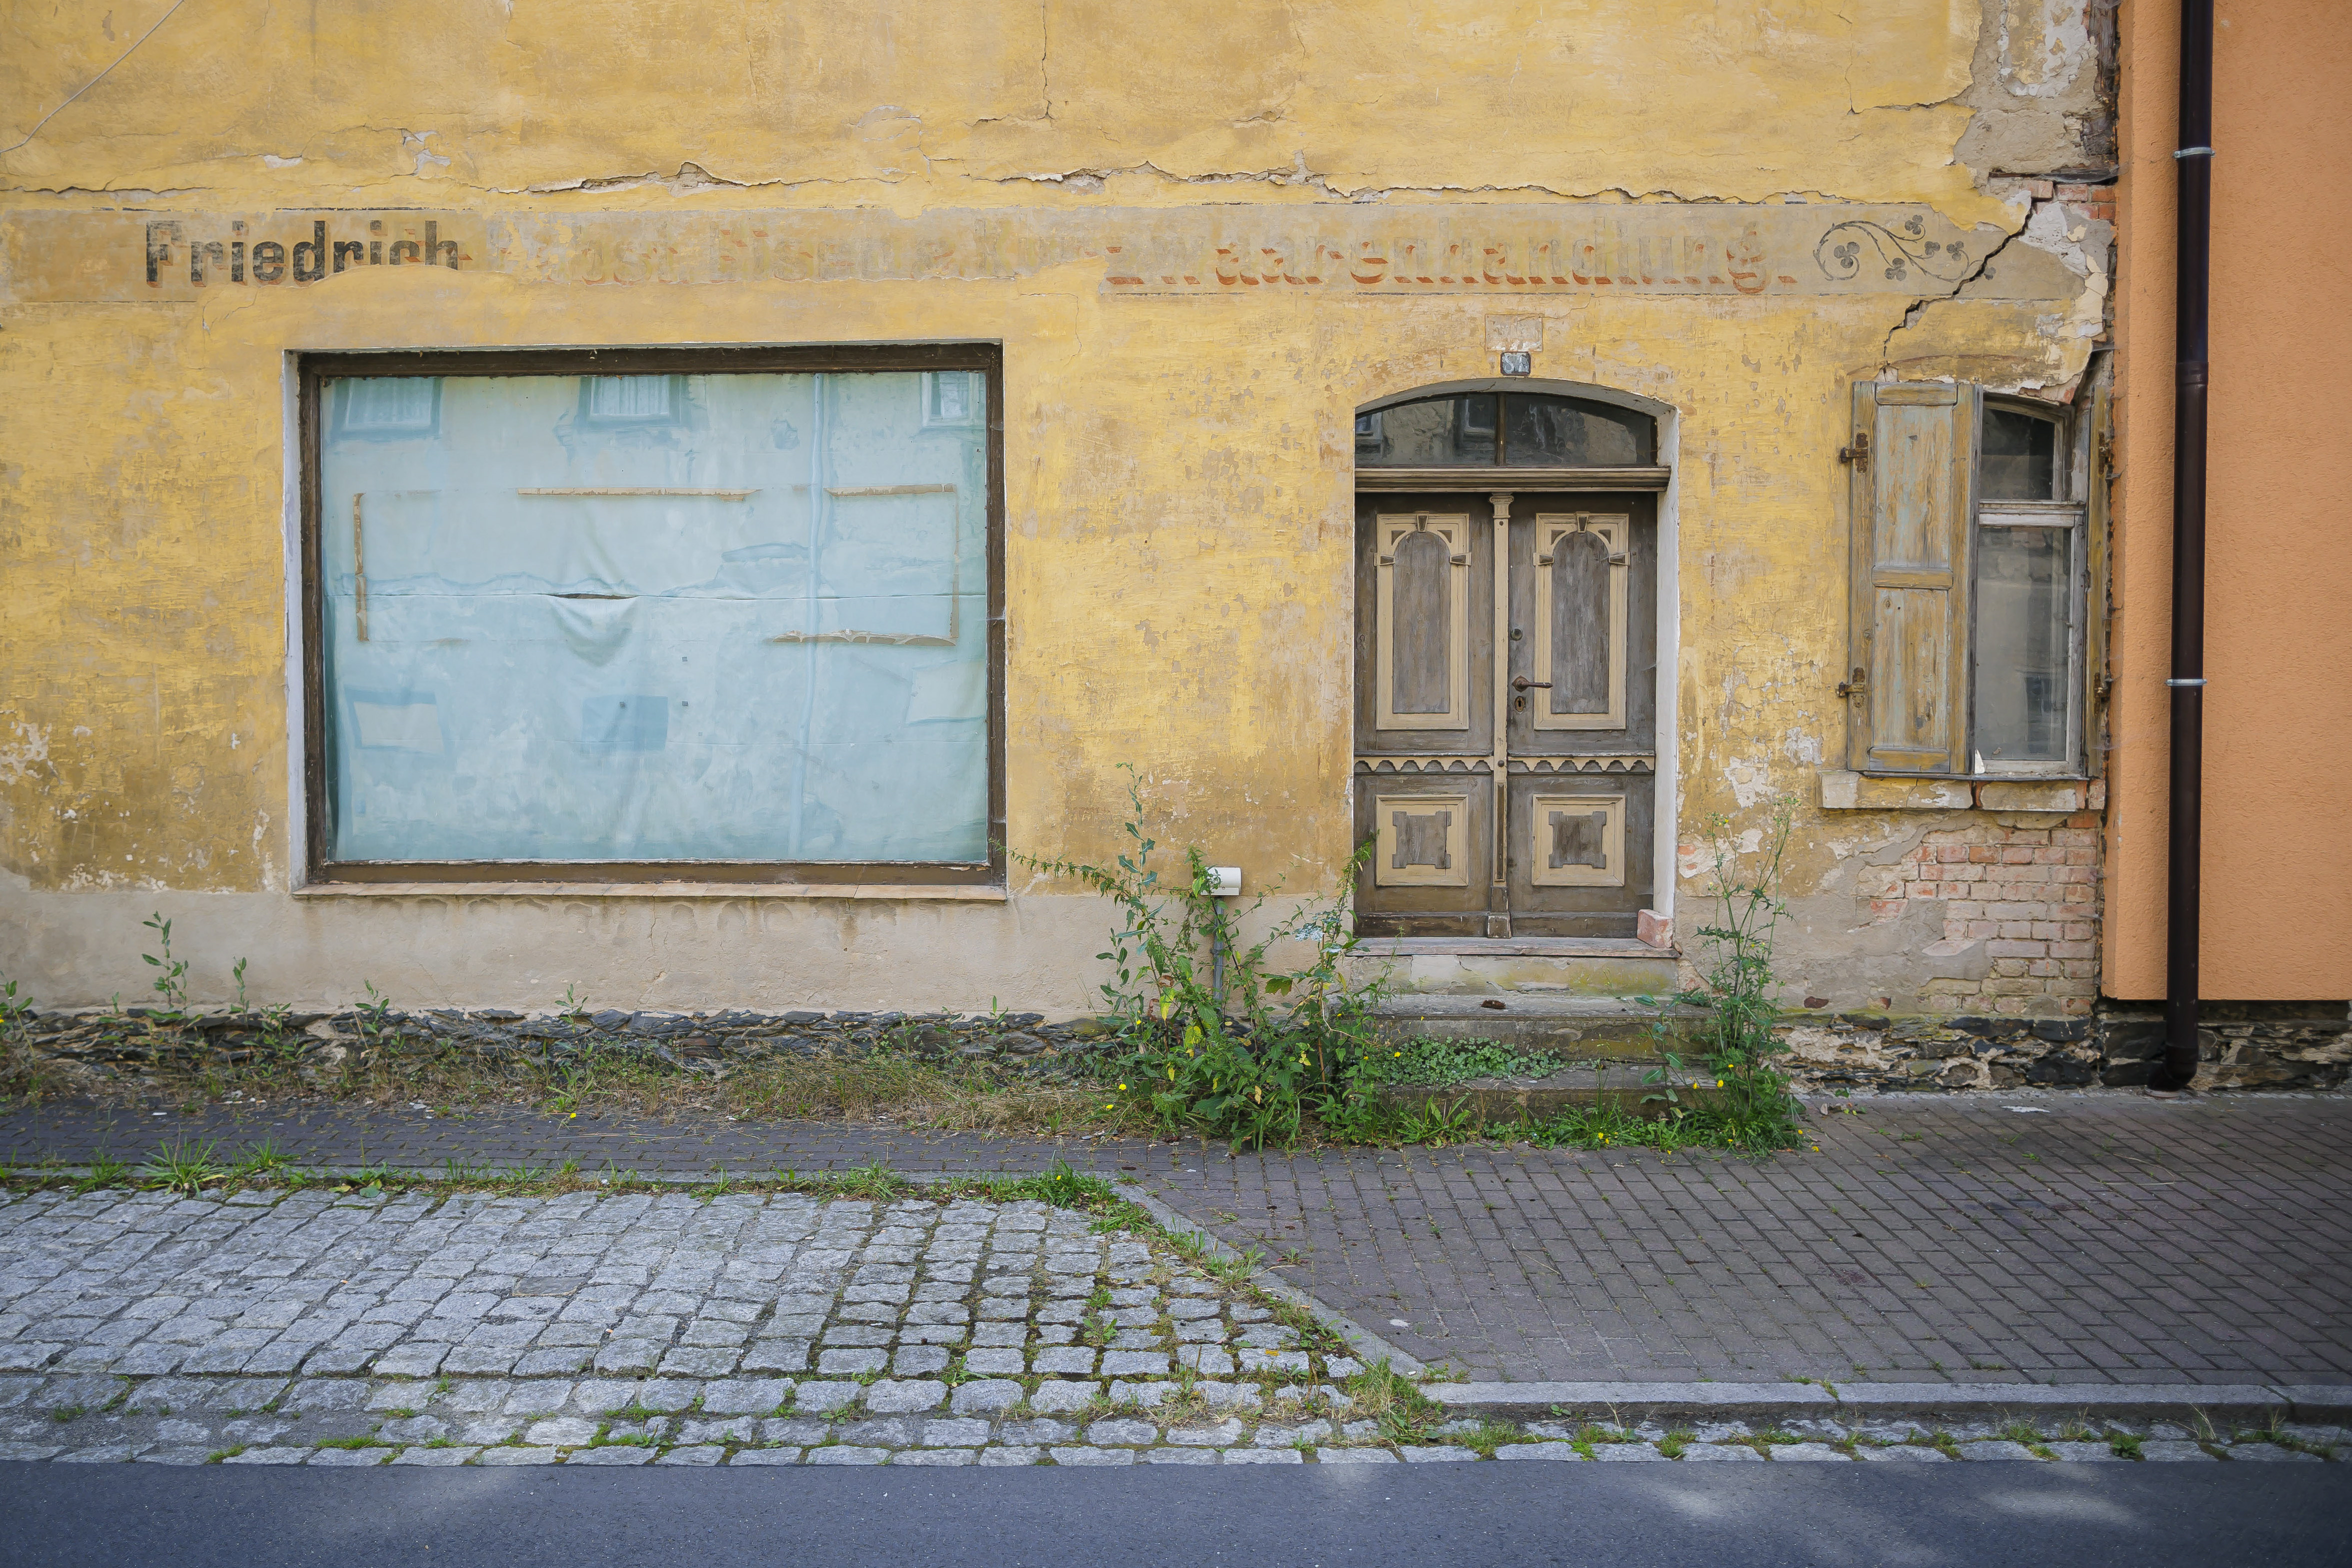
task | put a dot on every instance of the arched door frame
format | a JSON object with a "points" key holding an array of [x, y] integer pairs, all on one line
{"points": [[1666, 838]]}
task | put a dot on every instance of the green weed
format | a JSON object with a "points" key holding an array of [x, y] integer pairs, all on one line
{"points": [[1215, 1041], [1737, 989], [874, 1181], [182, 1168], [1064, 1188], [263, 1159], [171, 979], [105, 1171]]}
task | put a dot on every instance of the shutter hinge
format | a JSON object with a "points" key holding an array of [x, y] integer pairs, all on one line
{"points": [[1859, 453], [1855, 686]]}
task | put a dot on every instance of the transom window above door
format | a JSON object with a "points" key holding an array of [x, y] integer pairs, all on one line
{"points": [[1505, 429]]}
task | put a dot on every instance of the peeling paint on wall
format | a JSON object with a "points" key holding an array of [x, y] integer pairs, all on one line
{"points": [[1202, 244]]}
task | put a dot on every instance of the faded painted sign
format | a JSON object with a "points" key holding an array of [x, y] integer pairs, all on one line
{"points": [[1360, 252]]}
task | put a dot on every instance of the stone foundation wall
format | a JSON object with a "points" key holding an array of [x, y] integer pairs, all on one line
{"points": [[2242, 1046], [2247, 1046], [95, 1047]]}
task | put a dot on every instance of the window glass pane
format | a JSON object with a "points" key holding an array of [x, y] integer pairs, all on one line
{"points": [[2023, 676], [382, 405], [737, 617], [951, 397], [1438, 432], [630, 397], [2020, 458], [1562, 432]]}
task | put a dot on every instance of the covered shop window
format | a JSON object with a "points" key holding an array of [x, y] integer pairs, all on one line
{"points": [[579, 622], [1971, 546]]}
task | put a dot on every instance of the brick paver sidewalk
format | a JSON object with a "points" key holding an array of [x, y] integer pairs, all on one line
{"points": [[2069, 1238]]}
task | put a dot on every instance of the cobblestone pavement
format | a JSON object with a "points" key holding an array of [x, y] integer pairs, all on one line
{"points": [[749, 1329], [2019, 1236]]}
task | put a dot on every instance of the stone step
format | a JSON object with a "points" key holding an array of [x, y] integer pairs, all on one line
{"points": [[1515, 966], [1579, 1086], [1616, 1027]]}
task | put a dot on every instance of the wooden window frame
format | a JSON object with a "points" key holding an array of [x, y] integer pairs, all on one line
{"points": [[314, 371], [2080, 480]]}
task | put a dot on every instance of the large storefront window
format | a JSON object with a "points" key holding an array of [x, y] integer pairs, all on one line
{"points": [[588, 621]]}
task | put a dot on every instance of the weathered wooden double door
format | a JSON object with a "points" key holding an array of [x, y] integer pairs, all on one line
{"points": [[1505, 712]]}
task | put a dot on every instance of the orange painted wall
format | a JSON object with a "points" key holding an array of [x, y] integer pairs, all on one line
{"points": [[2278, 725]]}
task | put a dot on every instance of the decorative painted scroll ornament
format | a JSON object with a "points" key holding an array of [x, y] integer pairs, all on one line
{"points": [[1840, 252]]}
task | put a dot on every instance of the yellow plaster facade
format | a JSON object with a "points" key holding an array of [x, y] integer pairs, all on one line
{"points": [[1202, 244]]}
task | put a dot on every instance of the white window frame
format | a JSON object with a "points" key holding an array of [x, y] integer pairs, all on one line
{"points": [[2065, 510]]}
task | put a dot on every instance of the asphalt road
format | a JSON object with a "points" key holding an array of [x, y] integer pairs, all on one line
{"points": [[2082, 1515]]}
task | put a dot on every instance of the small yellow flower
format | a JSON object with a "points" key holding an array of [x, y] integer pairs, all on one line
{"points": [[1122, 1086]]}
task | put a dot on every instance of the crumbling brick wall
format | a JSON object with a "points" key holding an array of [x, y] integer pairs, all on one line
{"points": [[2026, 885]]}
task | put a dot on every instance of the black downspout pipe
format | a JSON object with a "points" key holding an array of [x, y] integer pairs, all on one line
{"points": [[2194, 250]]}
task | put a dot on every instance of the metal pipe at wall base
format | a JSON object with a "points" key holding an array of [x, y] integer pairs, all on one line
{"points": [[2185, 824]]}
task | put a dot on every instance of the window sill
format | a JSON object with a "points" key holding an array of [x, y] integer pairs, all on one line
{"points": [[1843, 790], [899, 892]]}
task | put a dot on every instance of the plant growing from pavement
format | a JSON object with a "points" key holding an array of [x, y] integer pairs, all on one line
{"points": [[1738, 989], [1214, 1039]]}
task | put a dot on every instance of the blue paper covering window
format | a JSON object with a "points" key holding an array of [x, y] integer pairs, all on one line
{"points": [[679, 617]]}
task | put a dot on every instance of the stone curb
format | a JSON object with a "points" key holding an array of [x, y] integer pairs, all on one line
{"points": [[1624, 1402], [1368, 1345]]}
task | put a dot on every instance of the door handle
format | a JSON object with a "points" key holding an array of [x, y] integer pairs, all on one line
{"points": [[1521, 683]]}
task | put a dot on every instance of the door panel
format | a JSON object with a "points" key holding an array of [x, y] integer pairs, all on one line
{"points": [[1578, 841], [1579, 635], [1584, 587], [1432, 870], [1425, 626], [1422, 628], [1581, 852]]}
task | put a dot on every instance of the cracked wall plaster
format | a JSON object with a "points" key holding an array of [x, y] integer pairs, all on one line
{"points": [[1178, 474], [1393, 97], [2042, 89]]}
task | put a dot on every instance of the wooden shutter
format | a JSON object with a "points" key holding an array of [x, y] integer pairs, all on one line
{"points": [[1913, 474]]}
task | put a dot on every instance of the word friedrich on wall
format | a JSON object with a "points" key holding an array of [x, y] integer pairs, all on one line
{"points": [[304, 261]]}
